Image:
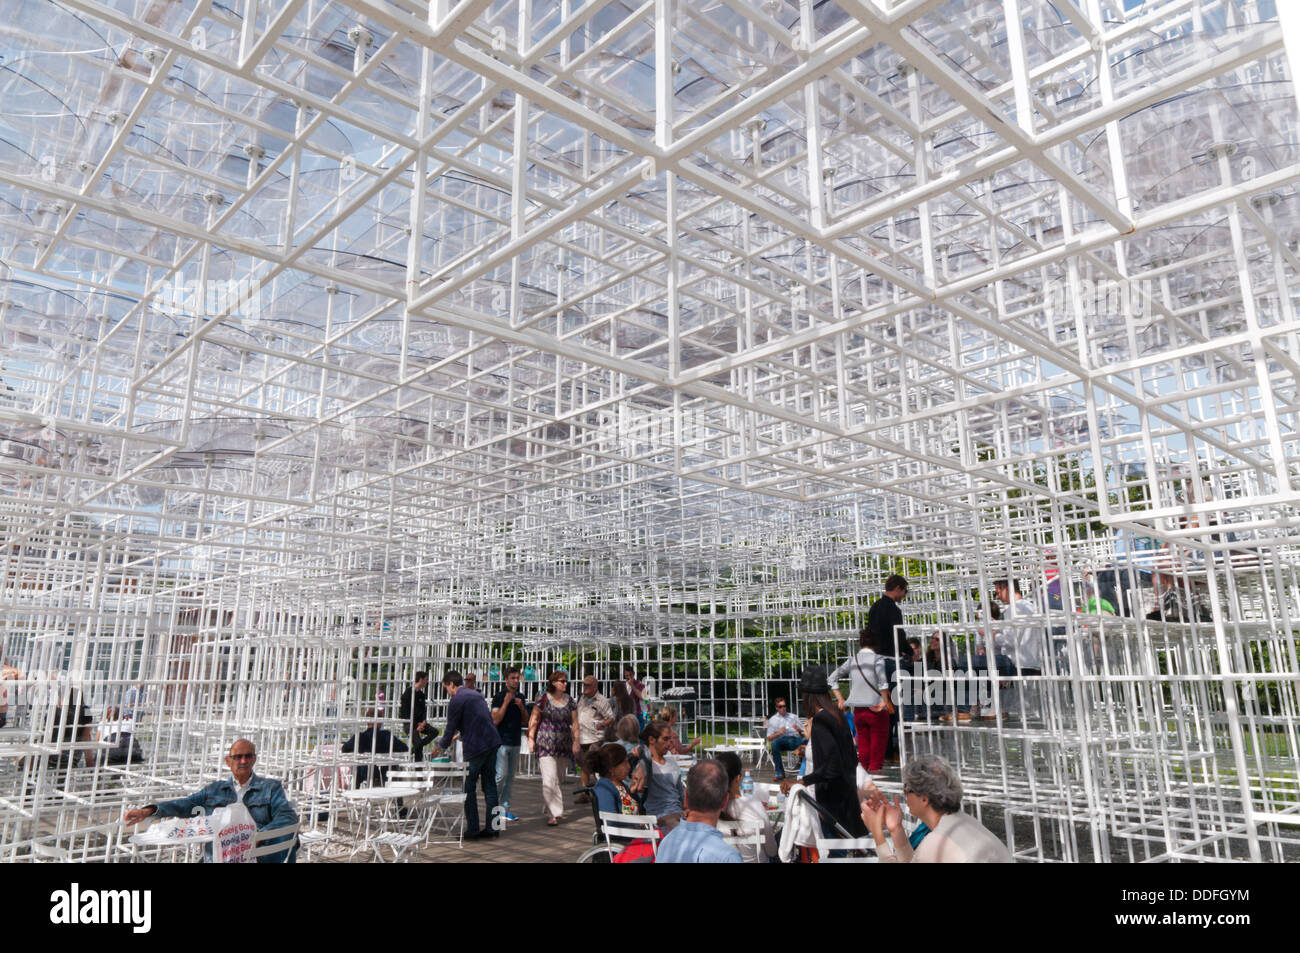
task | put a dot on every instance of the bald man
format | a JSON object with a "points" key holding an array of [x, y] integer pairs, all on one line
{"points": [[264, 798]]}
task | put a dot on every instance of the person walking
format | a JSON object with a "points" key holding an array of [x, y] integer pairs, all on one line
{"points": [[553, 735], [595, 714], [509, 714], [869, 698], [885, 620], [833, 777]]}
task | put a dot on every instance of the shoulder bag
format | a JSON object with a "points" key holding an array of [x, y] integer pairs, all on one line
{"points": [[889, 703]]}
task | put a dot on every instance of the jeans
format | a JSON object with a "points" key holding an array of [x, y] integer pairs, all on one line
{"points": [[507, 763], [418, 740], [780, 745], [481, 766], [125, 751]]}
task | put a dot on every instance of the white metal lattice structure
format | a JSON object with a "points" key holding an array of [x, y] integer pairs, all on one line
{"points": [[341, 338]]}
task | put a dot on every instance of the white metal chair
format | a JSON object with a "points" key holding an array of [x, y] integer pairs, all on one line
{"points": [[754, 747], [851, 846], [746, 836], [261, 848], [50, 853], [446, 802], [764, 749], [400, 834], [419, 776], [629, 827]]}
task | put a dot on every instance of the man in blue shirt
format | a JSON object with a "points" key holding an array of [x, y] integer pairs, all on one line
{"points": [[468, 714], [510, 714], [697, 840], [264, 798]]}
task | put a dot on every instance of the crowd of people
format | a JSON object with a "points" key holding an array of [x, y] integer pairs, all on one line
{"points": [[630, 765]]}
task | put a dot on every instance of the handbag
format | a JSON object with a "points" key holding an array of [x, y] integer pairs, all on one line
{"points": [[889, 704]]}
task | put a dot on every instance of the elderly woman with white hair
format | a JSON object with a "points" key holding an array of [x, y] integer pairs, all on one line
{"points": [[933, 793]]}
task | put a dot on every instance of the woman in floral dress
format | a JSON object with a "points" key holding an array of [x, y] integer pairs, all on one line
{"points": [[553, 735]]}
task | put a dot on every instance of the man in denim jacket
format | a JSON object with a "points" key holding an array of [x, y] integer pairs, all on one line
{"points": [[264, 798]]}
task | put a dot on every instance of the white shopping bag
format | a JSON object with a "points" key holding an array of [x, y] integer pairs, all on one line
{"points": [[235, 829]]}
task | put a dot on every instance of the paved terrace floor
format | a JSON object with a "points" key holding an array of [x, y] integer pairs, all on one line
{"points": [[528, 840]]}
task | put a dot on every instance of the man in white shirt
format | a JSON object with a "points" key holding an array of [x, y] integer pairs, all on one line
{"points": [[1028, 643], [595, 714], [784, 733]]}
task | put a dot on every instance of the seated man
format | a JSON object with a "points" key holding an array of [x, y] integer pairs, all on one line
{"points": [[697, 840], [376, 739], [264, 798], [783, 734], [119, 730]]}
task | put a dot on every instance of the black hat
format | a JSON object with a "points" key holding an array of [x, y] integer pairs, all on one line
{"points": [[813, 681]]}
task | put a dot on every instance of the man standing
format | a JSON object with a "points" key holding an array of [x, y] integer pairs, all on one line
{"points": [[783, 734], [468, 714], [628, 694], [885, 621], [697, 840], [376, 739], [510, 715], [414, 710], [595, 714], [264, 798]]}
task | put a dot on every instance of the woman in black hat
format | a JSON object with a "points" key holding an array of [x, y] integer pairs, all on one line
{"points": [[834, 759]]}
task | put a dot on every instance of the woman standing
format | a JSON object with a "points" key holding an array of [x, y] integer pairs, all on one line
{"points": [[552, 735], [869, 698], [833, 777]]}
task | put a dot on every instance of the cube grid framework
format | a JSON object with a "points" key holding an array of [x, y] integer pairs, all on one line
{"points": [[345, 339]]}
